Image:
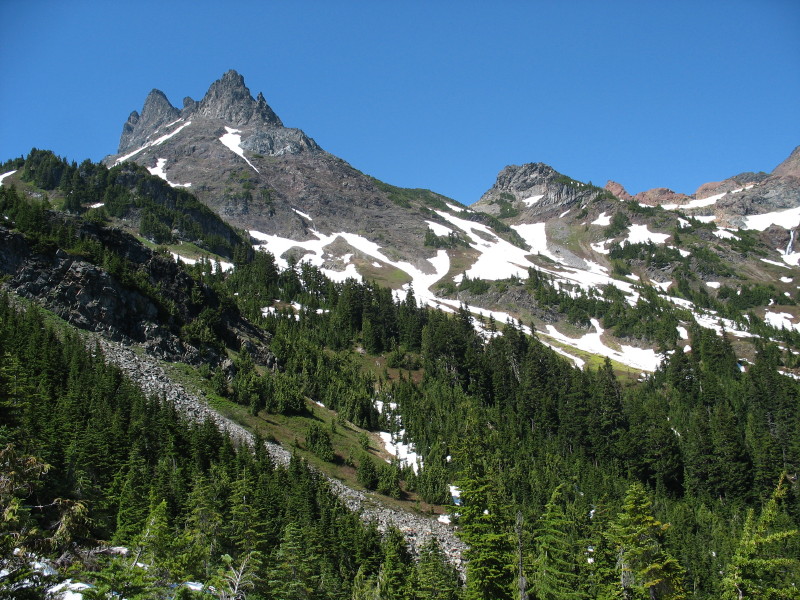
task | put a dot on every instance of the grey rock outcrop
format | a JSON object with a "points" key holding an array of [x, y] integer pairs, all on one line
{"points": [[279, 171], [95, 299], [156, 113], [533, 190], [789, 167], [228, 99]]}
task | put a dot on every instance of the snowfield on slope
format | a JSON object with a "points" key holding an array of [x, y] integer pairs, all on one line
{"points": [[499, 259], [155, 142], [232, 140], [640, 234], [159, 171], [644, 359], [788, 219], [4, 175]]}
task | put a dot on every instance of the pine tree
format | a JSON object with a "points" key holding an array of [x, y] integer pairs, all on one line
{"points": [[295, 575], [765, 563], [434, 578], [646, 570], [484, 525], [395, 568], [552, 571]]}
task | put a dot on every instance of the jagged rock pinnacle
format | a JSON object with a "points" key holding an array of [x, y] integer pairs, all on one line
{"points": [[229, 99], [157, 111]]}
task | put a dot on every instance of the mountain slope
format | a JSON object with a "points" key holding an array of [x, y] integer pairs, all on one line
{"points": [[303, 204], [234, 153]]}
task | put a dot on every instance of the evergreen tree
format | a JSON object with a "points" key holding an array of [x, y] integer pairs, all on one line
{"points": [[295, 575], [434, 578], [765, 564], [484, 525], [646, 570], [552, 573]]}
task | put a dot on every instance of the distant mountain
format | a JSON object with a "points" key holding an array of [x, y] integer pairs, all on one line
{"points": [[303, 204], [234, 153], [734, 199]]}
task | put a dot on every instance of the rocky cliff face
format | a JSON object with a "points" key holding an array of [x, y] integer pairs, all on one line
{"points": [[790, 167], [233, 152], [531, 191], [618, 190], [156, 113], [737, 197], [149, 305]]}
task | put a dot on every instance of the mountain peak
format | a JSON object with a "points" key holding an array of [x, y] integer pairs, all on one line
{"points": [[157, 111], [790, 166], [230, 100], [618, 190]]}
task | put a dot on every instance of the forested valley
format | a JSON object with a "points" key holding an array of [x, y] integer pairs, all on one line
{"points": [[574, 483]]}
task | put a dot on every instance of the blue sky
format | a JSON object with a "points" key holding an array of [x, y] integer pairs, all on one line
{"points": [[432, 94]]}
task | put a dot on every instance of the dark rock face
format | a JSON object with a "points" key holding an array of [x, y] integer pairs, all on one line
{"points": [[156, 113], [94, 299], [228, 99], [282, 171], [521, 185]]}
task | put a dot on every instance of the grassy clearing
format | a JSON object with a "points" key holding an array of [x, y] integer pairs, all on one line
{"points": [[386, 275], [290, 432]]}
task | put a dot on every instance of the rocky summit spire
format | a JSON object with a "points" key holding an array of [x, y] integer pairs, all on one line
{"points": [[791, 166], [229, 99], [157, 111]]}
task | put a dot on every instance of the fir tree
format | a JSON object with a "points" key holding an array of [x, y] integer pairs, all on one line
{"points": [[765, 564], [646, 570], [552, 572]]}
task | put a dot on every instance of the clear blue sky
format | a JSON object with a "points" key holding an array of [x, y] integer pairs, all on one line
{"points": [[430, 94]]}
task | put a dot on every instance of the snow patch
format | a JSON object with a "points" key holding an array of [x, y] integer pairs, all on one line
{"points": [[640, 234], [725, 234], [404, 452], [791, 259], [158, 170], [603, 220], [156, 142], [4, 175], [301, 213], [780, 320], [788, 219], [535, 235], [713, 284], [701, 203], [645, 359], [532, 200], [225, 266], [682, 252], [774, 262], [455, 494], [232, 140], [68, 590], [438, 228]]}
